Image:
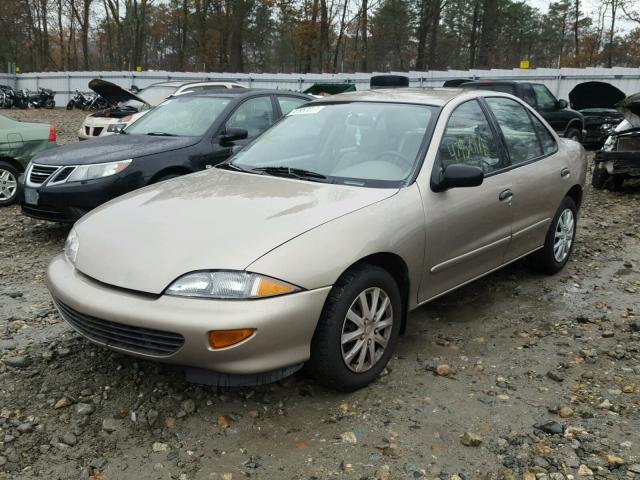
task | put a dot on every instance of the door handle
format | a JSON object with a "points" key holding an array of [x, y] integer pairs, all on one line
{"points": [[505, 195], [565, 172]]}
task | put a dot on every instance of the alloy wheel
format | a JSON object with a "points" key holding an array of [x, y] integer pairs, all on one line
{"points": [[366, 330], [563, 237], [8, 185]]}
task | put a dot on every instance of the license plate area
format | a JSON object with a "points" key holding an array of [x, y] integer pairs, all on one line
{"points": [[31, 196]]}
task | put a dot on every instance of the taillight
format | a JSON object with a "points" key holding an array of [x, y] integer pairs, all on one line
{"points": [[52, 133]]}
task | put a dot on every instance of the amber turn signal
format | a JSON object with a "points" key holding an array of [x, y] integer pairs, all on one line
{"points": [[226, 338]]}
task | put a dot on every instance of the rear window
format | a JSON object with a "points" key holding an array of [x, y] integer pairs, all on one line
{"points": [[496, 87]]}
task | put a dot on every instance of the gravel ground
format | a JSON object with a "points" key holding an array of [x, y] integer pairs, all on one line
{"points": [[514, 376]]}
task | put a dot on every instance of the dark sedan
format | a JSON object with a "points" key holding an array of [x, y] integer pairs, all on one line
{"points": [[184, 134]]}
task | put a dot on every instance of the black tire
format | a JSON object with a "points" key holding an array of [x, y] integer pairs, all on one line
{"points": [[8, 170], [327, 363], [70, 105], [617, 181], [50, 104], [544, 259], [599, 177], [574, 134]]}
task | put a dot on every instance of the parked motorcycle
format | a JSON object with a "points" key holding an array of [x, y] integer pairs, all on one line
{"points": [[21, 99], [97, 102], [43, 98], [7, 96], [79, 100]]}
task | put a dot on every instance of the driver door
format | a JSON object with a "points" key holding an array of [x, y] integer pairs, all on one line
{"points": [[255, 115], [468, 229]]}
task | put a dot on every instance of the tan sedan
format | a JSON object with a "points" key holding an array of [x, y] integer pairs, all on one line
{"points": [[314, 242]]}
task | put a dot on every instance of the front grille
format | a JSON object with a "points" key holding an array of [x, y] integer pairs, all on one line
{"points": [[40, 173], [134, 339], [63, 174], [97, 131]]}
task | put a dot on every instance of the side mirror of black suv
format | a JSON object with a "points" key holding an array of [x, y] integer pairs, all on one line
{"points": [[561, 104]]}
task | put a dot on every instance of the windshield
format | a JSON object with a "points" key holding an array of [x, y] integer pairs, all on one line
{"points": [[180, 116], [152, 95], [359, 143]]}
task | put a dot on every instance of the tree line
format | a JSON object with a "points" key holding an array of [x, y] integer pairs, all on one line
{"points": [[315, 35]]}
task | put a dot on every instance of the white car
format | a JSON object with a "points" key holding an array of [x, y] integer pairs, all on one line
{"points": [[130, 106]]}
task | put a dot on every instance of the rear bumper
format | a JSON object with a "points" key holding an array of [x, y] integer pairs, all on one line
{"points": [[284, 325]]}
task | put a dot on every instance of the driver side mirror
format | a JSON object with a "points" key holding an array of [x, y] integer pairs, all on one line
{"points": [[456, 176], [561, 104], [232, 134]]}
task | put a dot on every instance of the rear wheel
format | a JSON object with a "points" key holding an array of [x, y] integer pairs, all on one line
{"points": [[559, 241], [358, 329], [8, 184]]}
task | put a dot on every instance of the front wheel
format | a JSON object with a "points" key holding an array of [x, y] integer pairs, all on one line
{"points": [[8, 184], [599, 177], [357, 330], [559, 241]]}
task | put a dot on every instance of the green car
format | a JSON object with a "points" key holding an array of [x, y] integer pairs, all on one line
{"points": [[19, 142]]}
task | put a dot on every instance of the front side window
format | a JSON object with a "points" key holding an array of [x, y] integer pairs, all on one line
{"points": [[469, 140], [180, 116], [360, 143], [514, 121], [254, 115], [545, 99]]}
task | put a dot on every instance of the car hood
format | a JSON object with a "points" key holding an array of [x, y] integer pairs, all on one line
{"points": [[112, 92], [594, 95], [112, 148], [630, 109], [214, 219]]}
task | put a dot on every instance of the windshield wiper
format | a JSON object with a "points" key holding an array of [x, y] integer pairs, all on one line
{"points": [[291, 173], [162, 134], [235, 168]]}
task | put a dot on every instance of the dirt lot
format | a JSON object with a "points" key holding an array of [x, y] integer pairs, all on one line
{"points": [[543, 381]]}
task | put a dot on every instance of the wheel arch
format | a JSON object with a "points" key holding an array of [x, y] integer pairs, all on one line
{"points": [[575, 193], [175, 170], [13, 162], [576, 123], [398, 269]]}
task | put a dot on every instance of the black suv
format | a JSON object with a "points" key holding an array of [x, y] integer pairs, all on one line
{"points": [[566, 122]]}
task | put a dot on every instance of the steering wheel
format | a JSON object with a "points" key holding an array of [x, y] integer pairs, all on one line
{"points": [[392, 153]]}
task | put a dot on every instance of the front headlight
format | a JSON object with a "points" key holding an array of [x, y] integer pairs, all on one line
{"points": [[97, 170], [71, 246], [229, 285], [116, 127]]}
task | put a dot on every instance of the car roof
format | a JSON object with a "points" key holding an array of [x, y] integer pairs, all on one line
{"points": [[244, 92], [183, 83], [437, 96]]}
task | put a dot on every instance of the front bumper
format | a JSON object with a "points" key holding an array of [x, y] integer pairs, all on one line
{"points": [[67, 202], [619, 163], [284, 325]]}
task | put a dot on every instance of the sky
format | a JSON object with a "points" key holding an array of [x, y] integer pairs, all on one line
{"points": [[589, 7]]}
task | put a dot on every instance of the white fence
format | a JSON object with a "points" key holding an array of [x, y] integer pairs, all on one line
{"points": [[560, 81]]}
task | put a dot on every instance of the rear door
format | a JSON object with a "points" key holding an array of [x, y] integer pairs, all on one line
{"points": [[535, 174], [468, 229], [286, 103]]}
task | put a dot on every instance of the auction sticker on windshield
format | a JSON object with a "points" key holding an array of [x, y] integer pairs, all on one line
{"points": [[307, 110]]}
